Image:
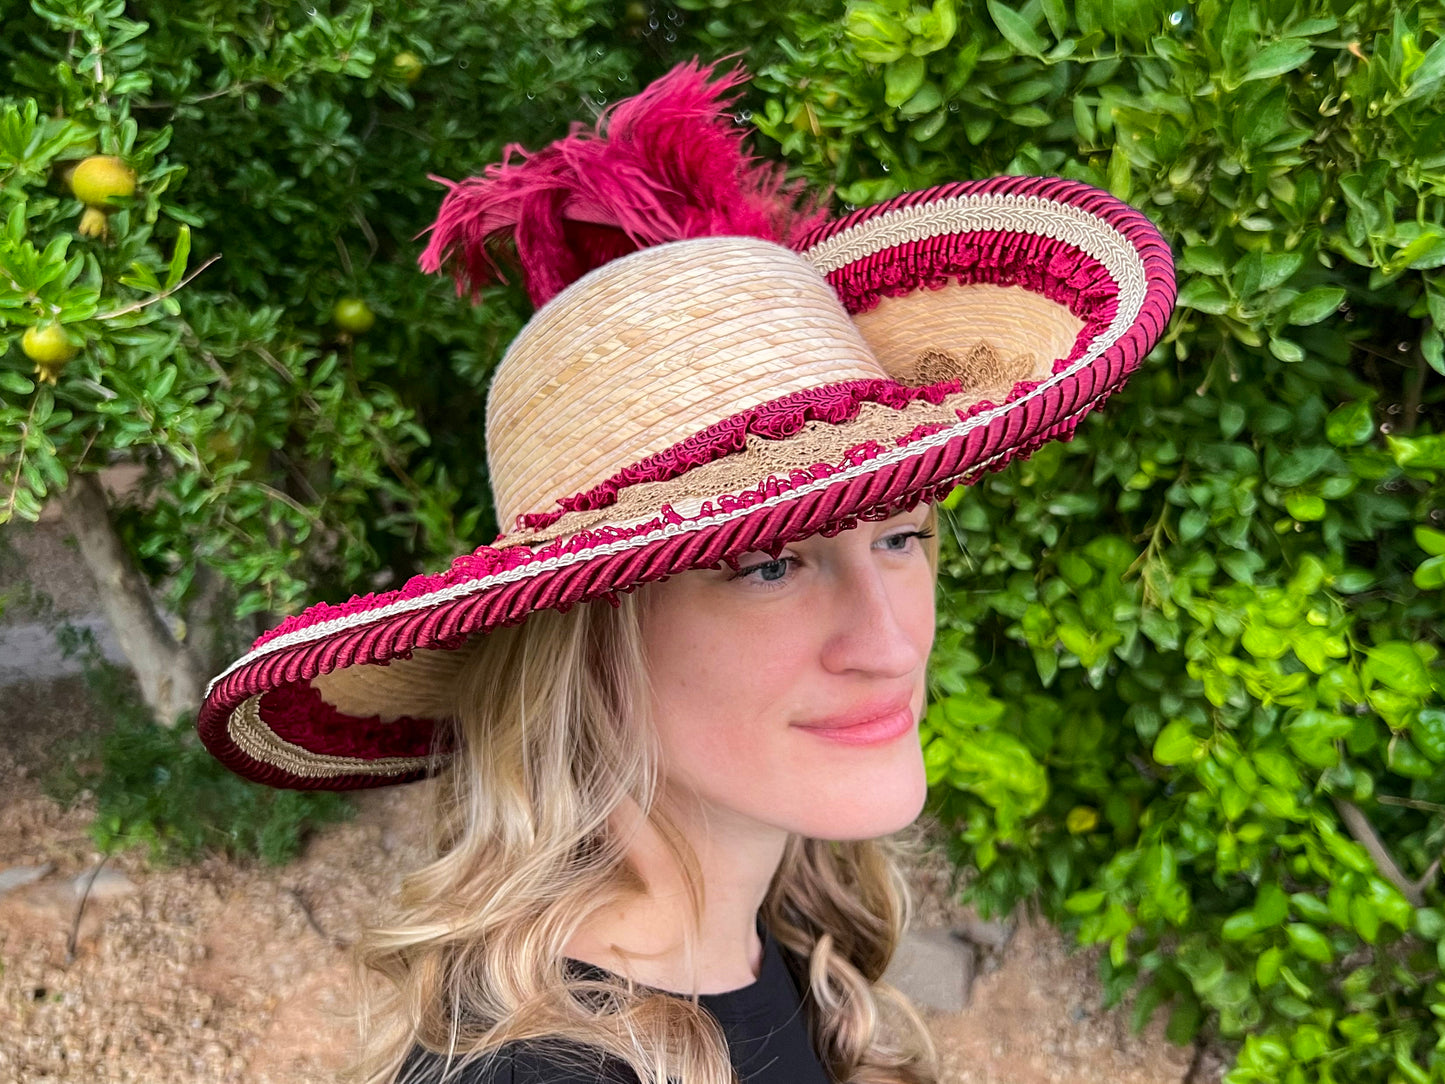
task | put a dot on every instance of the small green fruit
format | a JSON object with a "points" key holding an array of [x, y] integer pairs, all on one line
{"points": [[49, 347], [353, 315]]}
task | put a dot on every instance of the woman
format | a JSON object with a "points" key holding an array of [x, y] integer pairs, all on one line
{"points": [[657, 851]]}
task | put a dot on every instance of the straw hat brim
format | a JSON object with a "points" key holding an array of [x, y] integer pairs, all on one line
{"points": [[346, 696]]}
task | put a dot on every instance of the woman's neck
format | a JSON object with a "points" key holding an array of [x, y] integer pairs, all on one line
{"points": [[643, 936]]}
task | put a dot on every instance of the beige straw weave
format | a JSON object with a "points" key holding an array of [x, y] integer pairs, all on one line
{"points": [[954, 321], [652, 348], [655, 347]]}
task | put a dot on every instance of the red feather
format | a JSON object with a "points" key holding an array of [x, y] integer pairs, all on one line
{"points": [[664, 165]]}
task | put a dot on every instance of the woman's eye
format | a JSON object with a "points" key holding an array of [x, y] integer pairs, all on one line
{"points": [[904, 538], [770, 572], [773, 570]]}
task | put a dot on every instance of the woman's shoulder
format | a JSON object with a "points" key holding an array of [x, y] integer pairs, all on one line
{"points": [[535, 1061]]}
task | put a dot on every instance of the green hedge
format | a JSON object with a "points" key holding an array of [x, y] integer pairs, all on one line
{"points": [[1189, 691], [1188, 695]]}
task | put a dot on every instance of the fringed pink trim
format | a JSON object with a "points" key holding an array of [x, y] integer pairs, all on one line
{"points": [[775, 420], [298, 714]]}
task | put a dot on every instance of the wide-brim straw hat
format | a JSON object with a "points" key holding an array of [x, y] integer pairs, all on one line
{"points": [[696, 400]]}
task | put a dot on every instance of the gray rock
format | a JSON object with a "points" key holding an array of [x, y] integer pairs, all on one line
{"points": [[934, 969], [29, 652], [20, 876], [109, 884], [993, 936]]}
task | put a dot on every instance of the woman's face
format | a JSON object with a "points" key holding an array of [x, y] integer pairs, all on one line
{"points": [[788, 693]]}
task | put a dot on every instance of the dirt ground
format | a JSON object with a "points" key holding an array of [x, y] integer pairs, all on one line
{"points": [[222, 972]]}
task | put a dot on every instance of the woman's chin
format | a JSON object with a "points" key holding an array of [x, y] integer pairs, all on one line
{"points": [[867, 806]]}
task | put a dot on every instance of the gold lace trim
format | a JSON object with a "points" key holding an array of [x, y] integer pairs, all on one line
{"points": [[258, 741]]}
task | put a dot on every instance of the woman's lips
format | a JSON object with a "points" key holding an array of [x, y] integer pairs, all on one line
{"points": [[869, 732]]}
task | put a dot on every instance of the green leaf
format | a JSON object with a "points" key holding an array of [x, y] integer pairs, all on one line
{"points": [[1298, 466], [1084, 121], [902, 78], [1429, 73], [1425, 251], [1232, 417], [1397, 665], [1309, 942], [1427, 452], [1177, 744], [1121, 174], [17, 383], [1016, 30], [1277, 59], [1203, 260], [179, 255], [1266, 967], [927, 100], [1239, 926], [1277, 269], [1271, 905], [1350, 424], [1264, 641], [1312, 306], [1305, 507], [1198, 293], [1085, 902], [1429, 575], [1430, 540], [1056, 12], [1031, 116], [1427, 730], [1402, 758], [1285, 350], [1432, 348]]}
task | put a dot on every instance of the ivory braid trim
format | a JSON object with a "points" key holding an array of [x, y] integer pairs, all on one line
{"points": [[970, 214]]}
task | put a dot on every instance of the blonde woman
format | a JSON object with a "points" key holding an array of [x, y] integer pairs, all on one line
{"points": [[674, 708]]}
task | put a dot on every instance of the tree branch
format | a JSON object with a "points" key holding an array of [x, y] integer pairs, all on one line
{"points": [[138, 305], [1364, 832], [171, 680]]}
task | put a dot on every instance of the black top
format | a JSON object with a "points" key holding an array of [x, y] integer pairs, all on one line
{"points": [[764, 1024]]}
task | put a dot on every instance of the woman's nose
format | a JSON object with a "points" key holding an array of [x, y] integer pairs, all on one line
{"points": [[878, 622]]}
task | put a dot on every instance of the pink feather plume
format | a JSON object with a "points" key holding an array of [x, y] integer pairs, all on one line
{"points": [[664, 165]]}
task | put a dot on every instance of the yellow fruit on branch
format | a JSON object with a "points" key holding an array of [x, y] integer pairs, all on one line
{"points": [[407, 66], [1081, 819], [353, 315], [50, 348], [100, 179]]}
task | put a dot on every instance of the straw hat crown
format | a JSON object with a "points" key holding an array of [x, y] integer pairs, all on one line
{"points": [[654, 347]]}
